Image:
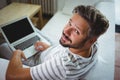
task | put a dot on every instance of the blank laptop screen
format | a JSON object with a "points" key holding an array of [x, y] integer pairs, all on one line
{"points": [[17, 30]]}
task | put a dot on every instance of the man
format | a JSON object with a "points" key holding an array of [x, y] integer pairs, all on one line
{"points": [[71, 60]]}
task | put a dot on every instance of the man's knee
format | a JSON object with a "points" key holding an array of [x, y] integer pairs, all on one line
{"points": [[5, 51]]}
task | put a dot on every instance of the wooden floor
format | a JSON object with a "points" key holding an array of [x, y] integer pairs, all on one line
{"points": [[117, 56]]}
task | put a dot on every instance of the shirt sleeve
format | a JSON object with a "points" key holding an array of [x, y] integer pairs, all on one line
{"points": [[50, 70]]}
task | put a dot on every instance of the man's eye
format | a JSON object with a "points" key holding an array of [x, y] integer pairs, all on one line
{"points": [[70, 24], [76, 31]]}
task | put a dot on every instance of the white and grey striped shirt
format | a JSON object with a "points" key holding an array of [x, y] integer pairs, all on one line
{"points": [[58, 63]]}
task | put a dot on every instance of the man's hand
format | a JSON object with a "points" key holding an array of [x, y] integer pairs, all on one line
{"points": [[19, 53], [41, 46], [15, 69]]}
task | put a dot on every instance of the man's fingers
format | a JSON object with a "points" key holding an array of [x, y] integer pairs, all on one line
{"points": [[23, 56], [39, 47], [20, 53]]}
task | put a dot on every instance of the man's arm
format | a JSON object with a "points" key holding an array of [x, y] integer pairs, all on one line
{"points": [[15, 69]]}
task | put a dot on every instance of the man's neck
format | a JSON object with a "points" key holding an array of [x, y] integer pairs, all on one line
{"points": [[82, 52]]}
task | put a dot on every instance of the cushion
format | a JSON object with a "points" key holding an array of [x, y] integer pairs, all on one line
{"points": [[71, 4], [105, 8]]}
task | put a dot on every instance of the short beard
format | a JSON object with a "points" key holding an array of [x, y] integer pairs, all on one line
{"points": [[64, 45], [79, 46]]}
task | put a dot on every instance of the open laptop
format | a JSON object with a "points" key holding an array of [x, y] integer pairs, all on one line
{"points": [[21, 34]]}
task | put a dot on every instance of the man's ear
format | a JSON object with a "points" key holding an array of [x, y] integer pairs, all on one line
{"points": [[93, 39]]}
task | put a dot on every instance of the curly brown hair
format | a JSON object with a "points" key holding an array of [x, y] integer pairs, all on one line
{"points": [[97, 21]]}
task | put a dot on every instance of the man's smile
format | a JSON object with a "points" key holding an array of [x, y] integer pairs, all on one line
{"points": [[65, 38]]}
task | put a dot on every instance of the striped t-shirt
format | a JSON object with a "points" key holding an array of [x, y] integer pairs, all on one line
{"points": [[58, 63]]}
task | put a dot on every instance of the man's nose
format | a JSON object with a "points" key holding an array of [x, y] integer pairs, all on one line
{"points": [[68, 30]]}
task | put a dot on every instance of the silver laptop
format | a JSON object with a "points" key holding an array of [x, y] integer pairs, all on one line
{"points": [[21, 34]]}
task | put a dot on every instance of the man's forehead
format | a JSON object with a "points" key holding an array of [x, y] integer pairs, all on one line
{"points": [[79, 22]]}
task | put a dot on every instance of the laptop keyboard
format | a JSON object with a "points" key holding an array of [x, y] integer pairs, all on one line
{"points": [[27, 43]]}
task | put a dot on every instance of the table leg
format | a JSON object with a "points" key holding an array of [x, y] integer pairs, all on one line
{"points": [[40, 20]]}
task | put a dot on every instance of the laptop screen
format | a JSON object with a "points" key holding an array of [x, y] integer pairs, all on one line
{"points": [[17, 30]]}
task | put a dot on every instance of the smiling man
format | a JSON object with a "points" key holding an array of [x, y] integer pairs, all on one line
{"points": [[73, 58]]}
